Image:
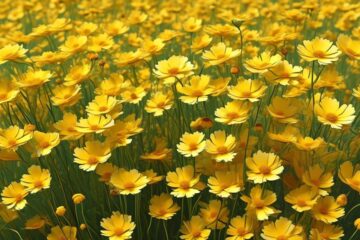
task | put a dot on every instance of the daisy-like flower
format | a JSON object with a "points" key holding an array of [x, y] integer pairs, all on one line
{"points": [[94, 124], [105, 170], [176, 67], [308, 143], [259, 202], [224, 183], [302, 198], [251, 90], [100, 42], [91, 155], [282, 73], [152, 176], [128, 182], [327, 210], [13, 137], [288, 135], [77, 74], [323, 231], [191, 144], [200, 42], [284, 110], [349, 46], [183, 182], [192, 25], [133, 95], [282, 229], [350, 175], [219, 54], [220, 30], [196, 91], [215, 214], [158, 103], [13, 196], [319, 49], [221, 147], [102, 104], [66, 232], [235, 112], [117, 227], [66, 96], [43, 143], [34, 78], [329, 112], [195, 229], [201, 123], [316, 177], [262, 63], [263, 167], [67, 127], [129, 58], [8, 91], [162, 207], [37, 179], [240, 228], [74, 44], [12, 52]]}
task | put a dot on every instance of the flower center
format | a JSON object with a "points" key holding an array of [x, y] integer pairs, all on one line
{"points": [[92, 160], [332, 117], [103, 108], [265, 170], [173, 71], [222, 150], [129, 185], [193, 146], [301, 203], [319, 54], [184, 185]]}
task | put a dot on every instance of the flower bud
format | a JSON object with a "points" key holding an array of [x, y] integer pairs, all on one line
{"points": [[341, 200], [82, 226], [78, 198], [234, 70], [60, 211], [357, 223]]}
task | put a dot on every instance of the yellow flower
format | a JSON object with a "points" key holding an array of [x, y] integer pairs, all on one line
{"points": [[12, 52], [60, 211], [129, 58], [302, 198], [105, 171], [259, 202], [100, 42], [162, 207], [35, 222], [158, 103], [160, 153], [34, 78], [225, 30], [221, 147], [342, 200], [224, 183], [133, 94], [74, 44], [153, 47], [115, 28], [196, 91], [356, 92], [263, 167], [357, 223], [240, 228], [49, 57], [67, 127], [282, 229], [174, 68], [192, 25], [8, 91], [349, 46], [219, 54], [66, 232], [350, 175], [118, 226], [327, 210], [78, 198], [128, 182], [323, 231], [37, 179], [91, 155], [262, 63], [102, 104], [7, 215], [201, 123], [66, 96], [13, 137], [195, 229], [282, 73], [284, 110], [183, 182], [235, 112], [77, 74], [94, 124], [200, 42], [251, 90], [308, 143], [318, 178], [215, 214], [152, 176], [112, 86], [191, 144], [319, 49], [43, 143], [13, 196], [288, 135], [329, 112]]}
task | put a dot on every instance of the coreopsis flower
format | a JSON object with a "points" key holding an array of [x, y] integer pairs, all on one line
{"points": [[196, 91], [350, 175], [94, 124], [349, 46], [240, 228], [329, 112], [160, 153], [66, 96], [8, 91], [118, 226], [259, 202], [36, 180], [86, 28], [215, 214], [129, 58], [201, 123], [308, 143], [327, 210], [100, 42], [183, 182], [284, 110], [251, 90], [221, 147], [319, 49], [200, 42], [356, 92], [162, 207], [36, 222], [316, 177], [191, 144], [77, 74], [219, 54], [262, 63], [13, 196], [128, 182], [224, 183], [219, 86], [49, 57], [283, 229], [112, 86], [133, 95], [192, 25], [7, 215], [13, 137], [195, 229], [174, 68], [43, 143], [322, 231], [289, 135], [12, 52], [102, 104], [220, 30], [34, 78], [235, 112], [159, 102], [91, 155], [74, 44], [302, 198], [105, 170], [282, 73], [66, 232], [115, 28], [263, 167], [153, 47], [67, 127]]}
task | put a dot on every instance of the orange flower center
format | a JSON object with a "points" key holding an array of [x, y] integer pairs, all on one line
{"points": [[222, 150], [133, 96], [259, 204], [246, 94], [301, 203], [129, 185], [323, 211], [193, 146], [241, 232], [118, 232], [103, 108], [94, 127], [184, 185], [196, 234], [332, 117], [319, 54], [197, 93], [3, 96], [282, 238], [92, 160], [173, 71], [38, 184], [162, 212], [265, 170], [232, 115], [19, 198], [12, 142], [45, 144]]}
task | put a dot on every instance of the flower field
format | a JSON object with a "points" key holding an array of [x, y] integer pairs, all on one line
{"points": [[194, 120]]}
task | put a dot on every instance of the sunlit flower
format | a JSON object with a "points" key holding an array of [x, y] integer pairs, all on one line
{"points": [[235, 112], [102, 105], [13, 196], [327, 210], [284, 110], [316, 177], [34, 78], [221, 147], [91, 155], [251, 90], [13, 53], [163, 207], [183, 182], [66, 232], [308, 143], [282, 229], [13, 137], [262, 63], [37, 179], [67, 127], [158, 103], [128, 182], [74, 44], [240, 228], [66, 96], [219, 54], [192, 25], [282, 73], [350, 175], [195, 229], [349, 46], [94, 124], [117, 227], [323, 231], [215, 214], [196, 91], [44, 142], [8, 91], [77, 74], [302, 198], [224, 183], [191, 144]]}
